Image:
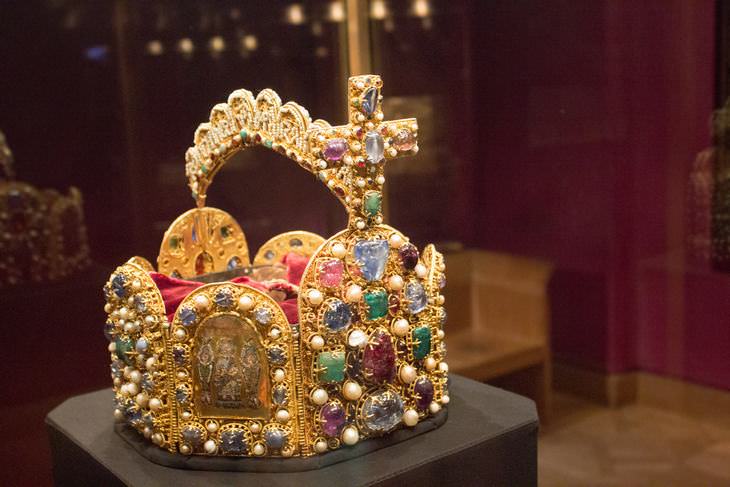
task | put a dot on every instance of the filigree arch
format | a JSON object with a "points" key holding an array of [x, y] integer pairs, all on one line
{"points": [[348, 159]]}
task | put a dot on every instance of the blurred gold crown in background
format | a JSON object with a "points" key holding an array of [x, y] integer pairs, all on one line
{"points": [[42, 232], [352, 348]]}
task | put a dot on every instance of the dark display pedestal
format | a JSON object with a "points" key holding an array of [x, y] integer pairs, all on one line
{"points": [[490, 438]]}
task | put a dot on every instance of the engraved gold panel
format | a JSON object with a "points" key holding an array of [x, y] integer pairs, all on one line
{"points": [[303, 243]]}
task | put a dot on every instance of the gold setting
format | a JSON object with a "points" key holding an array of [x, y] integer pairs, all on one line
{"points": [[363, 294]]}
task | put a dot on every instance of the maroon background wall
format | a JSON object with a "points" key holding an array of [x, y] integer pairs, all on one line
{"points": [[590, 114]]}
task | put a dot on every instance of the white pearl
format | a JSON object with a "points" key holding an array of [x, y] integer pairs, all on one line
{"points": [[429, 363], [141, 399], [395, 283], [180, 334], [395, 241], [316, 342], [410, 417], [400, 327], [444, 367], [380, 179], [319, 396], [118, 415], [128, 327], [135, 376], [112, 347], [185, 449], [212, 426], [154, 404], [282, 415], [360, 182], [187, 415], [421, 270], [350, 436], [201, 302], [440, 299], [360, 224], [123, 312], [320, 446], [107, 308], [279, 375], [434, 407], [359, 85], [210, 446], [287, 451], [117, 381], [445, 399], [275, 332], [150, 320], [157, 439], [132, 389], [354, 293], [392, 152], [115, 313], [255, 427], [128, 371], [150, 363], [339, 250], [378, 219], [147, 432], [351, 390], [182, 374], [440, 334], [245, 302], [407, 374], [314, 296], [357, 338], [258, 449]]}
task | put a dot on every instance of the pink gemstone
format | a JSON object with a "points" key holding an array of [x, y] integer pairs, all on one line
{"points": [[330, 273], [378, 361], [335, 149], [404, 140]]}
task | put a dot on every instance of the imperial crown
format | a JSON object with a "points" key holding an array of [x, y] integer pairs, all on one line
{"points": [[318, 345], [42, 232]]}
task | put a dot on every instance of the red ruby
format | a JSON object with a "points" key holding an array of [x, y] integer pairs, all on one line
{"points": [[378, 360], [409, 256]]}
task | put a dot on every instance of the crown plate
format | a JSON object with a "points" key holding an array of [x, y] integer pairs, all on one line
{"points": [[286, 362]]}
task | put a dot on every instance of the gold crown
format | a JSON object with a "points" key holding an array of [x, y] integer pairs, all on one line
{"points": [[262, 366], [42, 232]]}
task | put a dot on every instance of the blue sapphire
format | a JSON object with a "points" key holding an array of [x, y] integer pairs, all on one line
{"points": [[118, 285], [370, 101], [192, 436], [117, 367], [178, 355], [275, 438], [147, 383], [276, 355], [149, 420], [382, 411], [181, 395], [371, 255], [263, 315], [234, 263], [224, 298], [338, 316], [139, 304], [187, 316], [280, 395], [416, 296], [109, 330], [133, 416], [233, 442]]}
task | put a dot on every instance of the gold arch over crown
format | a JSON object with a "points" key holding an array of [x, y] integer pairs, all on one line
{"points": [[352, 173]]}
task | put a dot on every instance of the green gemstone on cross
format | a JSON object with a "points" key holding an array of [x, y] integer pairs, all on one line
{"points": [[377, 304], [421, 342], [372, 202]]}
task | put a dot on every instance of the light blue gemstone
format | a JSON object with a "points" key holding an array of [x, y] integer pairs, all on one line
{"points": [[275, 438], [382, 411], [141, 345], [263, 315], [370, 101], [374, 147], [372, 256], [118, 285], [416, 296], [338, 316], [224, 298]]}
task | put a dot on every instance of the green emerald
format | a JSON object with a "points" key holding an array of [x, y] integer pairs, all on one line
{"points": [[372, 203], [421, 342], [175, 242], [204, 169], [331, 366], [226, 231], [377, 304], [244, 135], [123, 347], [268, 143]]}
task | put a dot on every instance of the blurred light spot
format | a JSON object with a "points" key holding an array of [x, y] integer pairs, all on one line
{"points": [[295, 14], [321, 52], [217, 44], [97, 53], [421, 8], [250, 42], [185, 45], [378, 9], [316, 29], [155, 48], [337, 11]]}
